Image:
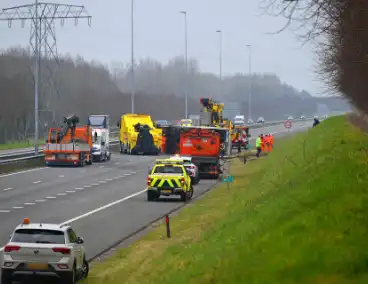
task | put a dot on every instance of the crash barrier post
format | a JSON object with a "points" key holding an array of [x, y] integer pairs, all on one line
{"points": [[167, 220]]}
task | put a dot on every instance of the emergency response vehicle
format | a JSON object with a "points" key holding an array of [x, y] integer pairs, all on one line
{"points": [[47, 250], [167, 178]]}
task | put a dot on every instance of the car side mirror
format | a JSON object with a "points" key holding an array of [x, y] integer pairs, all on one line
{"points": [[80, 241]]}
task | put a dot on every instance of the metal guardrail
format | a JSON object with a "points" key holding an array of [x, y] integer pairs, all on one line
{"points": [[26, 155]]}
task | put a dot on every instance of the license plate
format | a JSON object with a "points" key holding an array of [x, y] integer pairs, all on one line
{"points": [[168, 191], [37, 266]]}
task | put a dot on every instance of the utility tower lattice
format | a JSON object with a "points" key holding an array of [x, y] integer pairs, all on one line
{"points": [[43, 47]]}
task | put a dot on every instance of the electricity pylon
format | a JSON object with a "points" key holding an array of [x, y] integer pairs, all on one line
{"points": [[43, 44]]}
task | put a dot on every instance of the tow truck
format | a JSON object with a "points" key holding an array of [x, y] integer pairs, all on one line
{"points": [[167, 178], [69, 145]]}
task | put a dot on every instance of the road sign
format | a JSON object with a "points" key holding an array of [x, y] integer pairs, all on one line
{"points": [[228, 178], [287, 124]]}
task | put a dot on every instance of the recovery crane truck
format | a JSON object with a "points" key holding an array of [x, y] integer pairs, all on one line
{"points": [[211, 112], [69, 145], [138, 135]]}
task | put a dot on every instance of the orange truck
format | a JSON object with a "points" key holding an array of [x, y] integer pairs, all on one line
{"points": [[69, 145], [203, 145]]}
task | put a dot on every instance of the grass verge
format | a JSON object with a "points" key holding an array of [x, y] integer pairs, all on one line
{"points": [[19, 144], [299, 216]]}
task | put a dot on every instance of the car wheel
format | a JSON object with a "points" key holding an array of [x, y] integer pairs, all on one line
{"points": [[190, 193], [5, 279], [70, 278], [85, 268], [151, 196]]}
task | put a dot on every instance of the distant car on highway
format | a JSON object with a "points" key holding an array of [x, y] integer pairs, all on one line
{"points": [[290, 118], [260, 120], [161, 123], [302, 117], [47, 250], [250, 121], [316, 116]]}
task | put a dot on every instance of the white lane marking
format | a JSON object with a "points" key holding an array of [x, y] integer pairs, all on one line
{"points": [[22, 172], [61, 176], [50, 197], [18, 207], [95, 210], [38, 181], [4, 211], [29, 203], [127, 174], [40, 200], [9, 188], [70, 191], [102, 167], [117, 163], [109, 179], [94, 184], [102, 181], [86, 186], [61, 194], [79, 188], [133, 172], [102, 207]]}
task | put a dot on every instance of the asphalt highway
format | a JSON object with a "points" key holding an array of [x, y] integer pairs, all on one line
{"points": [[103, 202]]}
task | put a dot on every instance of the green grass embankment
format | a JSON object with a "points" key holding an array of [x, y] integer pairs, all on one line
{"points": [[298, 216], [19, 144]]}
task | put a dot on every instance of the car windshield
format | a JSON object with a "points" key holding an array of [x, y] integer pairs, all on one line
{"points": [[38, 236], [168, 169]]}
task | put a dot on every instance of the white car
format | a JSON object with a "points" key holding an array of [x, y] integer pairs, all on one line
{"points": [[192, 168], [46, 250], [290, 118], [250, 121], [260, 120]]}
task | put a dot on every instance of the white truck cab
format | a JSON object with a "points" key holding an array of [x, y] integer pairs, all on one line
{"points": [[101, 137]]}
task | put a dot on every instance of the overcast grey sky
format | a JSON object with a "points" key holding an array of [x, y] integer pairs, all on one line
{"points": [[159, 29]]}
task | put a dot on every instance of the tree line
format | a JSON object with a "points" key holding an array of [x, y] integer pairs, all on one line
{"points": [[74, 85]]}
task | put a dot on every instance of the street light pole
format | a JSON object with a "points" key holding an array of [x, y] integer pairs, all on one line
{"points": [[186, 60], [132, 54], [249, 81], [220, 52]]}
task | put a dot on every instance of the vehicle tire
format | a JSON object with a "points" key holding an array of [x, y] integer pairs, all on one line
{"points": [[5, 279], [121, 148], [151, 196], [82, 161], [70, 278], [190, 193], [109, 156], [85, 269]]}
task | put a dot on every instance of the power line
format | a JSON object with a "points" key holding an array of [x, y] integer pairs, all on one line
{"points": [[43, 44]]}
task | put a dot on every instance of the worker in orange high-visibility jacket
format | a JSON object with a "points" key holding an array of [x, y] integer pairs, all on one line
{"points": [[268, 142], [271, 141]]}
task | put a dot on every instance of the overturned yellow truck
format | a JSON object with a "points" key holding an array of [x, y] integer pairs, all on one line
{"points": [[138, 135]]}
